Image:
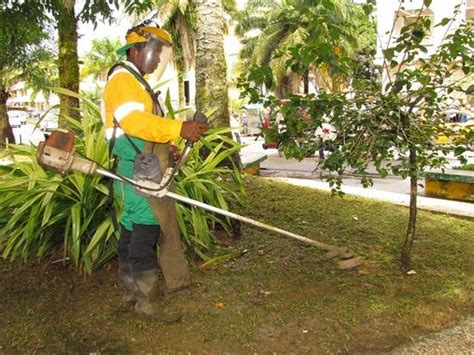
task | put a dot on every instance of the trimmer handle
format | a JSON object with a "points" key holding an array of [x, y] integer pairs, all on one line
{"points": [[199, 117]]}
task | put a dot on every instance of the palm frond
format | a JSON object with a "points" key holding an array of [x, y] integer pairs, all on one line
{"points": [[168, 10]]}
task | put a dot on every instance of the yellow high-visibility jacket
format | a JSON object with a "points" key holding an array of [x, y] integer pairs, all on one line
{"points": [[126, 99]]}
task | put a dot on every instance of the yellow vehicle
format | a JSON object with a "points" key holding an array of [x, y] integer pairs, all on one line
{"points": [[458, 125]]}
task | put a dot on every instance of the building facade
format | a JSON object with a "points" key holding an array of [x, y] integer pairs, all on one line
{"points": [[392, 15]]}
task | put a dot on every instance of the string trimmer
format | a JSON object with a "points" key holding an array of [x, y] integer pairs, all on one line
{"points": [[57, 154]]}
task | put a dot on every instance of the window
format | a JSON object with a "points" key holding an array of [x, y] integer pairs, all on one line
{"points": [[469, 9]]}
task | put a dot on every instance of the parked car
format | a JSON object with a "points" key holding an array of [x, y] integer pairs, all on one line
{"points": [[458, 124], [17, 118]]}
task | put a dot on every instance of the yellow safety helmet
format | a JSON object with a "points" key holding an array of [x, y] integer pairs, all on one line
{"points": [[141, 34]]}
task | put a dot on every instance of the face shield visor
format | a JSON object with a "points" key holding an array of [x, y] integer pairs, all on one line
{"points": [[155, 57]]}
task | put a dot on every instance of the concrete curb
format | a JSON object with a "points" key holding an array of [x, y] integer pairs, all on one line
{"points": [[457, 208]]}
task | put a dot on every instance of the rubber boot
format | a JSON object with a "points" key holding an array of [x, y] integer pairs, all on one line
{"points": [[148, 297], [172, 260], [128, 284], [124, 271]]}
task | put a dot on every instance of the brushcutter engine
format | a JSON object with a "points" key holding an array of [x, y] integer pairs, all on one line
{"points": [[57, 154]]}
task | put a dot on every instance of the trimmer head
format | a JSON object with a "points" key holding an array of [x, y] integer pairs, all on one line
{"points": [[346, 258]]}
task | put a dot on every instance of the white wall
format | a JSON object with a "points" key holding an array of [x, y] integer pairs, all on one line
{"points": [[439, 9]]}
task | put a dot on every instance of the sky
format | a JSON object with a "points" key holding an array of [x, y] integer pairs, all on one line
{"points": [[87, 33]]}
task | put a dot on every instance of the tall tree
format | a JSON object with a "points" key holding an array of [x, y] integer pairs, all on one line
{"points": [[211, 68], [20, 34], [179, 18], [66, 19], [68, 61]]}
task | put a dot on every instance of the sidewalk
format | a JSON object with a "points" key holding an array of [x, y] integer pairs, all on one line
{"points": [[391, 189]]}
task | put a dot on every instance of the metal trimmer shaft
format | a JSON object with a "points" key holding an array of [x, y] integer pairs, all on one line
{"points": [[347, 260], [57, 154]]}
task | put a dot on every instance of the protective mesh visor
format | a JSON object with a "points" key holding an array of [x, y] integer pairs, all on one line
{"points": [[156, 57]]}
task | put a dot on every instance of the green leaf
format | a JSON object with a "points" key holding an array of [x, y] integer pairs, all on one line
{"points": [[389, 53], [427, 3], [459, 150], [444, 22], [470, 90], [368, 8]]}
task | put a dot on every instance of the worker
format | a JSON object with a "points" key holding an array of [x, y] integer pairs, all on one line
{"points": [[135, 123]]}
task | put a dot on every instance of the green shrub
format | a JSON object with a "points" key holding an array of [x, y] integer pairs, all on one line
{"points": [[469, 167], [45, 215]]}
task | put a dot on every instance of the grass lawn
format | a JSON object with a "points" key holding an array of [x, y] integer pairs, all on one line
{"points": [[276, 296]]}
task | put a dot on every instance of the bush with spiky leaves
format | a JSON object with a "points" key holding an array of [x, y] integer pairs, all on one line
{"points": [[48, 216]]}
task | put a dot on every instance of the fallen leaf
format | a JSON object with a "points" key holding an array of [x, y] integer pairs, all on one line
{"points": [[206, 267], [219, 305]]}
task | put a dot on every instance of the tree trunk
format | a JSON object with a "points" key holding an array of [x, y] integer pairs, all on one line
{"points": [[285, 87], [410, 234], [68, 60], [211, 68], [295, 83], [211, 71], [6, 130]]}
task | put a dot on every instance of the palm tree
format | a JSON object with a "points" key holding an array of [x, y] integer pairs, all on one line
{"points": [[42, 73], [282, 26], [66, 20], [211, 69], [68, 62], [100, 58], [180, 18]]}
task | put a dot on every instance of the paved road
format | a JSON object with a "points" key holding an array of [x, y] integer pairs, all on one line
{"points": [[392, 188]]}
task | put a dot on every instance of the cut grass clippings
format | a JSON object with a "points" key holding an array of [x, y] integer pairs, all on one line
{"points": [[278, 296]]}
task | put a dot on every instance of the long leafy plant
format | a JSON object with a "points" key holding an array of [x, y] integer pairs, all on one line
{"points": [[48, 216]]}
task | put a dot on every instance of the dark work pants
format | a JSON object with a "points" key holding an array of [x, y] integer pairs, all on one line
{"points": [[137, 248]]}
